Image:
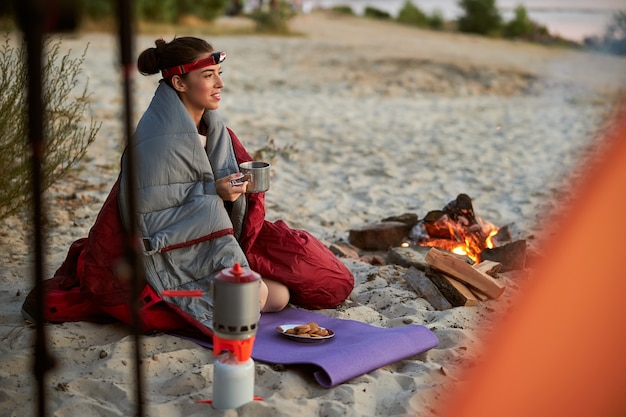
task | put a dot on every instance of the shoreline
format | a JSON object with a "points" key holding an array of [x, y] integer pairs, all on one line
{"points": [[556, 19]]}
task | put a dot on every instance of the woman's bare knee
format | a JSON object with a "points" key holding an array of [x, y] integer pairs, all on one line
{"points": [[277, 296]]}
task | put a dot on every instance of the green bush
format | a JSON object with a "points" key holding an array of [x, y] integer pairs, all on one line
{"points": [[410, 14], [481, 17], [436, 20], [162, 11], [204, 9], [66, 133], [97, 9], [275, 20], [520, 26], [375, 13], [342, 10]]}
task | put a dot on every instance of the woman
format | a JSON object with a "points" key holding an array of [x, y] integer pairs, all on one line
{"points": [[193, 218]]}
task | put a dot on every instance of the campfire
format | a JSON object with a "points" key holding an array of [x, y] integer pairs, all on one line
{"points": [[456, 228], [454, 257]]}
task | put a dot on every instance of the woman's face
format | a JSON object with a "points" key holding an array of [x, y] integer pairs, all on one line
{"points": [[201, 89]]}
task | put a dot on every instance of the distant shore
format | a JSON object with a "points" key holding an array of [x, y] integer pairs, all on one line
{"points": [[573, 20]]}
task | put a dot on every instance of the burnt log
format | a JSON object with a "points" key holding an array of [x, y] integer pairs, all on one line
{"points": [[426, 289], [379, 236], [461, 210], [511, 256], [409, 219], [455, 292], [436, 225], [456, 222], [408, 257], [502, 237]]}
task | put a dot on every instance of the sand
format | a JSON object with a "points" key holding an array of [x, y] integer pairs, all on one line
{"points": [[373, 120]]}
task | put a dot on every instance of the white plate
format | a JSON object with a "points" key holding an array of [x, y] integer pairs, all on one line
{"points": [[282, 329]]}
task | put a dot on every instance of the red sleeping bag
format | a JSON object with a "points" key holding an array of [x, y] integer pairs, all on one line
{"points": [[87, 288]]}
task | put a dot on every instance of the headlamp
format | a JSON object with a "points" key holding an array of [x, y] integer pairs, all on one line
{"points": [[213, 59]]}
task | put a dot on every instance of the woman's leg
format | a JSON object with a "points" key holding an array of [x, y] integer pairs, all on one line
{"points": [[274, 296]]}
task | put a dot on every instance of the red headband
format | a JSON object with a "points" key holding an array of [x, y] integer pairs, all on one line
{"points": [[213, 59]]}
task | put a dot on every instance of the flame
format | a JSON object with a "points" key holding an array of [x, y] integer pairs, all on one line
{"points": [[489, 241], [468, 241], [460, 250]]}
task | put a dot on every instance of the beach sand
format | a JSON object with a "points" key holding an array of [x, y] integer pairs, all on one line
{"points": [[376, 120]]}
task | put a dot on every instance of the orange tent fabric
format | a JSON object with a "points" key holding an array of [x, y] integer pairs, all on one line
{"points": [[562, 350]]}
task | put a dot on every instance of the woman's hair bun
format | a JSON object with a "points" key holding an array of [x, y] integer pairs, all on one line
{"points": [[149, 60], [160, 44], [170, 54]]}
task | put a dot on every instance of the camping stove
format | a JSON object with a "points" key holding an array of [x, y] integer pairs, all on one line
{"points": [[236, 313]]}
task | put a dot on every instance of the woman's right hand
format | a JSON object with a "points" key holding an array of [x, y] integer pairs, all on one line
{"points": [[229, 189]]}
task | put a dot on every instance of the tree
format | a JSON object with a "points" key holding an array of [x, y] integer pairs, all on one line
{"points": [[165, 11], [615, 35], [521, 26], [374, 13], [67, 134], [436, 20], [410, 14], [274, 19], [481, 17]]}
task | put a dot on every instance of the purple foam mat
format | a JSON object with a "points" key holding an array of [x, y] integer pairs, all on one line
{"points": [[356, 349]]}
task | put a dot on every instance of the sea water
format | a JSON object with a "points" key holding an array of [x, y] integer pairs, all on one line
{"points": [[570, 19]]}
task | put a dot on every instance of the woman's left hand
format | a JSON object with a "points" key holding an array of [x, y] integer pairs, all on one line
{"points": [[229, 189]]}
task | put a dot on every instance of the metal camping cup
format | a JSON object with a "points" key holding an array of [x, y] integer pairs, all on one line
{"points": [[259, 175]]}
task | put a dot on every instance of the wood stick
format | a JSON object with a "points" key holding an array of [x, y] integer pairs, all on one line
{"points": [[426, 288], [478, 294], [490, 268], [458, 269], [470, 298], [454, 291]]}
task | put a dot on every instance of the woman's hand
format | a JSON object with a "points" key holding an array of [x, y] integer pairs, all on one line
{"points": [[229, 188]]}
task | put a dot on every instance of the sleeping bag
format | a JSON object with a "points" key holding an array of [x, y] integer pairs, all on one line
{"points": [[187, 233]]}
